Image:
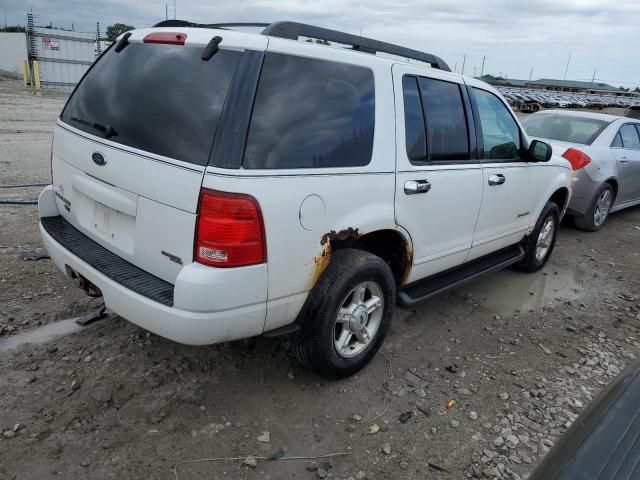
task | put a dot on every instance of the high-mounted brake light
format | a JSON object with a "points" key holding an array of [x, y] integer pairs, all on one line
{"points": [[229, 231], [170, 38], [577, 159]]}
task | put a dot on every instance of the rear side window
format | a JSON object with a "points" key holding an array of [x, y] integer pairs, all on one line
{"points": [[630, 138], [311, 113], [566, 128], [438, 105], [500, 132], [446, 122], [162, 99], [415, 136]]}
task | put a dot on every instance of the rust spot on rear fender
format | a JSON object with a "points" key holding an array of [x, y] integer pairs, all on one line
{"points": [[409, 262], [342, 235]]}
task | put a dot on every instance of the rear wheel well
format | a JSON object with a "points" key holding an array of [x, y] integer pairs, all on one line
{"points": [[389, 245], [560, 197], [614, 185]]}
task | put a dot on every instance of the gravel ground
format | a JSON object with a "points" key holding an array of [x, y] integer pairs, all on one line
{"points": [[504, 366]]}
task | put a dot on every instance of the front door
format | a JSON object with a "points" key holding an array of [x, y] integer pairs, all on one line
{"points": [[438, 185], [511, 183]]}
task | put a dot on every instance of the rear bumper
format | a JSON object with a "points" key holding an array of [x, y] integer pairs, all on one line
{"points": [[175, 322]]}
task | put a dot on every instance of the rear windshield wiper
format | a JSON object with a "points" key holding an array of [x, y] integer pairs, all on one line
{"points": [[107, 130], [211, 48]]}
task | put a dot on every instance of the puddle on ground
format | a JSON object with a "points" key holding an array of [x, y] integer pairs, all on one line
{"points": [[43, 334], [511, 290]]}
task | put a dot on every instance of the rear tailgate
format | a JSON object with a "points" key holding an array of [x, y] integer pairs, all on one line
{"points": [[132, 143]]}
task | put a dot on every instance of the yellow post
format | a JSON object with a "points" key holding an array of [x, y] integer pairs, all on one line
{"points": [[36, 74], [25, 72]]}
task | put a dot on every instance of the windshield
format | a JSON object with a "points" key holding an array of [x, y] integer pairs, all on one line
{"points": [[565, 128], [162, 99]]}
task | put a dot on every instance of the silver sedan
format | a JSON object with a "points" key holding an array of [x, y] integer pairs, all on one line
{"points": [[604, 151]]}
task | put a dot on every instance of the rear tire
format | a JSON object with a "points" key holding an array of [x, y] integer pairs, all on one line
{"points": [[347, 315], [539, 245], [598, 211]]}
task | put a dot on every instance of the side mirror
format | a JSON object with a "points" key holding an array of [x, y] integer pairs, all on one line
{"points": [[540, 151]]}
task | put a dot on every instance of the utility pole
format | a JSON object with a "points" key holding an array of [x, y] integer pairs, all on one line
{"points": [[475, 70], [464, 61], [531, 74], [482, 69], [166, 11], [174, 9], [567, 69], [455, 68]]}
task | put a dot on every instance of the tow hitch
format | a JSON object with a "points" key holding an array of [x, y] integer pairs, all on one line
{"points": [[89, 288]]}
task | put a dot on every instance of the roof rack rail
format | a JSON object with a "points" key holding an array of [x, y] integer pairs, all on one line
{"points": [[294, 30], [184, 23]]}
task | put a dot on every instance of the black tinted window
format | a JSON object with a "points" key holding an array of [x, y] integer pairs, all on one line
{"points": [[446, 121], [500, 132], [161, 99], [311, 113], [415, 137], [630, 138]]}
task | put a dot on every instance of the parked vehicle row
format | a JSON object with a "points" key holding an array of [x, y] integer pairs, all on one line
{"points": [[215, 185], [525, 100]]}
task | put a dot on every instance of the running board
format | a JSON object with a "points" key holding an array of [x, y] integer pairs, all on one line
{"points": [[428, 287]]}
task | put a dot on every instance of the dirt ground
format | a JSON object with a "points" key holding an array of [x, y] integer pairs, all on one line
{"points": [[508, 362]]}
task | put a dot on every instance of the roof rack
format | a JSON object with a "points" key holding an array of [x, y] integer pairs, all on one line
{"points": [[184, 23], [295, 30]]}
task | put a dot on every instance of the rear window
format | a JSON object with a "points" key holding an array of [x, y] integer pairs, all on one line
{"points": [[311, 113], [162, 99], [565, 128]]}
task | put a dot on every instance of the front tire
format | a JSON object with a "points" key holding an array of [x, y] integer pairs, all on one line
{"points": [[348, 314], [539, 245], [598, 211]]}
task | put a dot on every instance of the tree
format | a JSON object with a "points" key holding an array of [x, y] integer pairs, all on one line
{"points": [[637, 90], [12, 29], [117, 29]]}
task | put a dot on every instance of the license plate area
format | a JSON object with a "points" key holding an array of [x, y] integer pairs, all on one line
{"points": [[103, 217]]}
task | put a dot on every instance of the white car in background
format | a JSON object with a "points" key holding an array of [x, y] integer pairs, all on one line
{"points": [[604, 151]]}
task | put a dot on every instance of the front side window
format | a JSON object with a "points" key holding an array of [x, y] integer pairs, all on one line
{"points": [[629, 136], [311, 113], [500, 132]]}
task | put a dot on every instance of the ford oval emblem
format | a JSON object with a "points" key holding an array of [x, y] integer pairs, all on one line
{"points": [[98, 158]]}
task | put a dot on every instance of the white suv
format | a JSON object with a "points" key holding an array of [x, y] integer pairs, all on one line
{"points": [[213, 184]]}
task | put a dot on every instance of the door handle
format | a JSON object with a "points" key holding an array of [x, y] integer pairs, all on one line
{"points": [[496, 179], [624, 160], [412, 187]]}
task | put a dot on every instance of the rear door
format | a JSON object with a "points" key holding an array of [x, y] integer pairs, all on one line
{"points": [[438, 182], [132, 143], [511, 183], [626, 146]]}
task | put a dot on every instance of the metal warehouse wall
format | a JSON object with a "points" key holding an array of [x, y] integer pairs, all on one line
{"points": [[13, 51], [63, 56]]}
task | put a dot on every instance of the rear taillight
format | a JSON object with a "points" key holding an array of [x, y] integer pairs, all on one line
{"points": [[171, 38], [230, 231], [577, 159]]}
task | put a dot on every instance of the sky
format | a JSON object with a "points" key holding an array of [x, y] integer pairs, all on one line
{"points": [[515, 36]]}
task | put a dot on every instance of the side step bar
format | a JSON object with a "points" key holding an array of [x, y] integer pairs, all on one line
{"points": [[428, 287]]}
